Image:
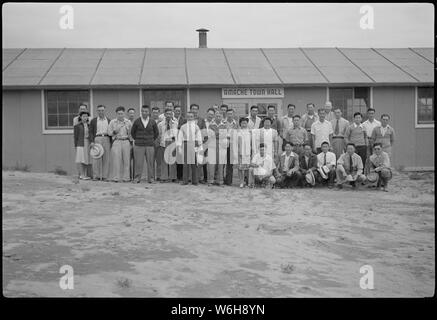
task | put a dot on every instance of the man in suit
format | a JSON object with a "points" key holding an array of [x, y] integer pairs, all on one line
{"points": [[307, 162], [287, 172], [99, 134], [145, 132]]}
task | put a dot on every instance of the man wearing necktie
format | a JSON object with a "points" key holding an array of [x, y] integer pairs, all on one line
{"points": [[339, 124], [349, 168]]}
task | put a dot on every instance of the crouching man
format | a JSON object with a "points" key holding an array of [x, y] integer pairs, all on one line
{"points": [[349, 168], [288, 174], [326, 166], [261, 169], [379, 167]]}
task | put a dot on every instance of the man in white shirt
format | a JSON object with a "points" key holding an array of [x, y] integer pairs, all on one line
{"points": [[326, 162], [339, 125], [370, 124], [188, 142], [261, 169], [168, 130], [99, 134], [321, 131], [254, 120]]}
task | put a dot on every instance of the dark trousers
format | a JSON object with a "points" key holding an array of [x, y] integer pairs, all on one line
{"points": [[179, 171], [185, 168], [362, 152], [329, 181], [285, 181], [229, 168], [132, 163]]}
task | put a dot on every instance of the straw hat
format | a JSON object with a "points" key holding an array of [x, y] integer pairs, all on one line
{"points": [[309, 177], [372, 177], [97, 151], [324, 172], [349, 178]]}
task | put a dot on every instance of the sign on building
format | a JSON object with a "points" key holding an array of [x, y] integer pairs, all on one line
{"points": [[252, 93]]}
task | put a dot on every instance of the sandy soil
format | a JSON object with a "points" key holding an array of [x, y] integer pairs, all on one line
{"points": [[167, 240]]}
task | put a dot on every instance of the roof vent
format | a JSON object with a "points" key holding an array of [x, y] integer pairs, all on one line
{"points": [[202, 37]]}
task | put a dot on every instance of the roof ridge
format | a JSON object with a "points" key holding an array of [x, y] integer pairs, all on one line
{"points": [[97, 66], [395, 64], [51, 66], [315, 66], [271, 65], [350, 60]]}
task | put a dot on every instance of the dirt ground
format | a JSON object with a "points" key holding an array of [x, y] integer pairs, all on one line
{"points": [[168, 240]]}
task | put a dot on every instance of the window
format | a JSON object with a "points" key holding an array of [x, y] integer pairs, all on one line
{"points": [[425, 106], [351, 100], [62, 106], [157, 98]]}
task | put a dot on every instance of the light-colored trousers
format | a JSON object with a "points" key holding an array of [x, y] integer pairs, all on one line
{"points": [[341, 175], [254, 178], [166, 171], [141, 153], [101, 166], [120, 160], [338, 145]]}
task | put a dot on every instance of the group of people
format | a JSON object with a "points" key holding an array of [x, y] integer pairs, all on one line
{"points": [[316, 148]]}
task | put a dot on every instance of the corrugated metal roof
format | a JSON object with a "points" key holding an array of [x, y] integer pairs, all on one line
{"points": [[249, 66], [376, 66], [74, 67], [30, 67], [427, 53], [9, 55], [164, 67], [335, 66], [121, 66], [293, 67], [410, 62], [208, 66], [181, 67]]}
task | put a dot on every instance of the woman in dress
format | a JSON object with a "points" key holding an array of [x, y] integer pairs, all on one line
{"points": [[81, 143]]}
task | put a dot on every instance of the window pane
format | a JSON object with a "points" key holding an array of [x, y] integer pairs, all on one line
{"points": [[342, 98], [63, 120], [52, 108], [73, 107], [52, 121], [51, 96], [425, 105], [62, 106]]}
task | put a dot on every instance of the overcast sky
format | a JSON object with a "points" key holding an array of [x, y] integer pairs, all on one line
{"points": [[232, 25]]}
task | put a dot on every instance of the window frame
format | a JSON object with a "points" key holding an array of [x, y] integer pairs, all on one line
{"points": [[416, 109], [328, 94], [46, 130]]}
